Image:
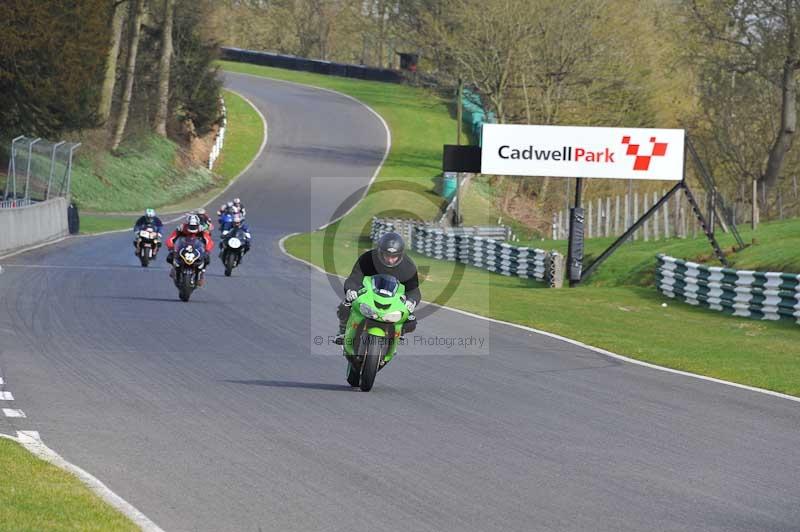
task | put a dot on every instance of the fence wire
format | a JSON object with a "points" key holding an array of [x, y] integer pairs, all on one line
{"points": [[39, 169]]}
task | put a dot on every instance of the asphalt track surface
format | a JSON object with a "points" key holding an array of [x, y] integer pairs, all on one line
{"points": [[219, 415]]}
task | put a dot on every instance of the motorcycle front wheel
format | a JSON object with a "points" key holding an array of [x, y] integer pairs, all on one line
{"points": [[185, 288], [353, 376], [373, 356], [230, 263]]}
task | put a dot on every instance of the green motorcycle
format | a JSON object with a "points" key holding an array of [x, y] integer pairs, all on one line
{"points": [[378, 318]]}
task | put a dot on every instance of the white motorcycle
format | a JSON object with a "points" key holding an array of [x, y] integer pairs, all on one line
{"points": [[148, 241]]}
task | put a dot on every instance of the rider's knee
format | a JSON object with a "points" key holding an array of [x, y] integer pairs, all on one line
{"points": [[343, 312]]}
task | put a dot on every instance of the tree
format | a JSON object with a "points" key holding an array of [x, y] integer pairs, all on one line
{"points": [[757, 39], [481, 42], [164, 69], [51, 65], [194, 79], [109, 81], [137, 8]]}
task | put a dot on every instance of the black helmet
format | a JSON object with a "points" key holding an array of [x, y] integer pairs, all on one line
{"points": [[390, 249]]}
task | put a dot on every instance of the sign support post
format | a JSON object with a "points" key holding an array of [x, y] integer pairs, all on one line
{"points": [[575, 244]]}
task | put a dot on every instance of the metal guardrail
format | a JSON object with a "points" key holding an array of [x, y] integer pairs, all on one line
{"points": [[39, 169], [746, 293], [405, 228], [317, 66], [468, 245], [219, 141]]}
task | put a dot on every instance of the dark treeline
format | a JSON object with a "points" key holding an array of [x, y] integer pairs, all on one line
{"points": [[104, 70]]}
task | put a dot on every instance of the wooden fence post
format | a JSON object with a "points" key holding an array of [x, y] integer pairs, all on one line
{"points": [[589, 220], [666, 219], [628, 201], [599, 230], [616, 218], [646, 224], [638, 234], [655, 217], [608, 216]]}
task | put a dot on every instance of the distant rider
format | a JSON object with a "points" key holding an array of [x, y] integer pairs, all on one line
{"points": [[387, 258], [205, 221], [149, 219], [226, 209], [239, 205], [226, 222], [237, 222]]}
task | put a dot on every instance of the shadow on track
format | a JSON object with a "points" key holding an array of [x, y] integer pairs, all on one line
{"points": [[139, 298], [291, 384]]}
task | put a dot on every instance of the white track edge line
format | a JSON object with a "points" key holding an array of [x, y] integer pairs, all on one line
{"points": [[34, 247], [30, 440]]}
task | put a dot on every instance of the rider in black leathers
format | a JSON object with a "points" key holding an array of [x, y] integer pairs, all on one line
{"points": [[387, 258]]}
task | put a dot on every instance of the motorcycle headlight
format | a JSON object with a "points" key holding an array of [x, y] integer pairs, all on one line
{"points": [[368, 311], [393, 317]]}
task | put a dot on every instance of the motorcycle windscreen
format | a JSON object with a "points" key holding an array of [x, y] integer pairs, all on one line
{"points": [[196, 243], [385, 285]]}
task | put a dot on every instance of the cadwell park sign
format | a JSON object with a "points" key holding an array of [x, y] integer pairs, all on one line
{"points": [[593, 152], [590, 152]]}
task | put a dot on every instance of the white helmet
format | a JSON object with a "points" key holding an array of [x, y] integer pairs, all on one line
{"points": [[193, 224]]}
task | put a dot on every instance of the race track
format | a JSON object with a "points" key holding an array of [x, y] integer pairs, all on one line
{"points": [[222, 415]]}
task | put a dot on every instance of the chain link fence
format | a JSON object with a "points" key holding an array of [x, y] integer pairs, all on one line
{"points": [[38, 170]]}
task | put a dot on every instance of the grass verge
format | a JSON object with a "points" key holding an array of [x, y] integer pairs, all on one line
{"points": [[617, 310], [35, 495], [99, 223], [243, 139], [145, 174]]}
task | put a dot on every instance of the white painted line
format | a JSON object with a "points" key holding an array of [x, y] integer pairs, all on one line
{"points": [[2, 382], [37, 246], [13, 412], [130, 268], [530, 329], [6, 396], [33, 443]]}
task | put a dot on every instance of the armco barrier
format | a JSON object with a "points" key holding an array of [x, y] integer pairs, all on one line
{"points": [[311, 65], [34, 224], [750, 294], [459, 244]]}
